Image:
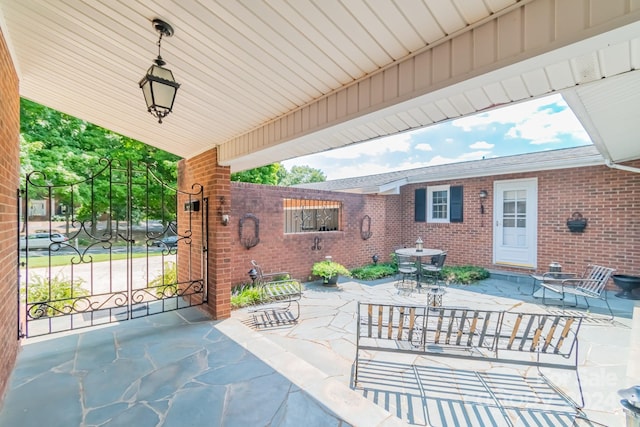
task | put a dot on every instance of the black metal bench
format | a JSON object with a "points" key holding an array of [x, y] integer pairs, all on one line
{"points": [[533, 339], [275, 289]]}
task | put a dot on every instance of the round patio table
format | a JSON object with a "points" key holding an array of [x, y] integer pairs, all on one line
{"points": [[418, 254]]}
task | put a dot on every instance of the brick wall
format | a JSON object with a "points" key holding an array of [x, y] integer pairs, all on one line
{"points": [[278, 251], [9, 173], [608, 198], [204, 170]]}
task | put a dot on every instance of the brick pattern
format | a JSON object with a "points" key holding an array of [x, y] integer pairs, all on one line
{"points": [[608, 198], [9, 173], [294, 253], [204, 170]]}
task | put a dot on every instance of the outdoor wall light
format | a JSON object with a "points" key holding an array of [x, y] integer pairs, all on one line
{"points": [[158, 85], [222, 212], [483, 195], [375, 259]]}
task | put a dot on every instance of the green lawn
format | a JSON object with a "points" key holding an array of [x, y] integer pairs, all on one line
{"points": [[57, 260]]}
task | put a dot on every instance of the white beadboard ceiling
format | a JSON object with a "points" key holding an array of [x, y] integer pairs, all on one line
{"points": [[245, 64]]}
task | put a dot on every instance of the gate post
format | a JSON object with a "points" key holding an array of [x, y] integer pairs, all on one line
{"points": [[215, 179]]}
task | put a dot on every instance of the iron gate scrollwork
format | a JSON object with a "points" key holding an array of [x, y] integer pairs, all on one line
{"points": [[111, 247]]}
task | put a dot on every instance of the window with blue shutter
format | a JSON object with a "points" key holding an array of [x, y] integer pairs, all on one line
{"points": [[455, 194], [420, 205]]}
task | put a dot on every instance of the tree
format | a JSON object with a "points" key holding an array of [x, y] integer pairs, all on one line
{"points": [[64, 151], [300, 175], [263, 175]]}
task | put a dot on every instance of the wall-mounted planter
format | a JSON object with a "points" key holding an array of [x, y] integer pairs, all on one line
{"points": [[576, 223]]}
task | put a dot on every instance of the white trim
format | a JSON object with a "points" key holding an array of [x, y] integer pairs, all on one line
{"points": [[516, 256], [430, 190]]}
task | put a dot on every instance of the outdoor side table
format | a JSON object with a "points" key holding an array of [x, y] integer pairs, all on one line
{"points": [[434, 297], [556, 277]]}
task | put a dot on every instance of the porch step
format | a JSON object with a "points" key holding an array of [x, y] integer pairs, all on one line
{"points": [[510, 276], [350, 406]]}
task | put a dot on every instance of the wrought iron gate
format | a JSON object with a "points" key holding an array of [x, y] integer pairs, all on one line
{"points": [[118, 245]]}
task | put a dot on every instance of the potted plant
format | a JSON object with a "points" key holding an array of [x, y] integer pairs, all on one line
{"points": [[329, 271]]}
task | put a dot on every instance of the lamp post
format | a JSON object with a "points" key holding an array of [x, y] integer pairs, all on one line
{"points": [[158, 85], [253, 274]]}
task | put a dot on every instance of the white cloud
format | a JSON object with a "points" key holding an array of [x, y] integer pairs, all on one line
{"points": [[516, 113], [436, 145], [423, 146], [377, 147], [482, 144], [358, 169], [530, 121]]}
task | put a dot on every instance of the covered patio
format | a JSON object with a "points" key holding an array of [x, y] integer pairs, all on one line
{"points": [[182, 368], [263, 84]]}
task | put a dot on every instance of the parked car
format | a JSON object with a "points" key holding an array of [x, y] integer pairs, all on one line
{"points": [[42, 241], [169, 241]]}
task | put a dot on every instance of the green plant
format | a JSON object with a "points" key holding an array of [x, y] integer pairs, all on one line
{"points": [[464, 274], [245, 295], [374, 271], [166, 285], [329, 269], [55, 297]]}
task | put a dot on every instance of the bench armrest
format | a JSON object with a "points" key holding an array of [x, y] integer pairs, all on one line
{"points": [[556, 275], [277, 276], [578, 282]]}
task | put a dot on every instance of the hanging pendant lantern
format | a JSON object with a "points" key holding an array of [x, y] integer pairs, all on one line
{"points": [[158, 85]]}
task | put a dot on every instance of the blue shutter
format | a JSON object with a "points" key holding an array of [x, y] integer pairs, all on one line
{"points": [[455, 200], [421, 205]]}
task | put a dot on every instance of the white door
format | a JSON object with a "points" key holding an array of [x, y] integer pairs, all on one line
{"points": [[515, 222]]}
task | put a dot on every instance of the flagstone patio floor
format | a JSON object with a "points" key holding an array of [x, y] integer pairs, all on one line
{"points": [[181, 368]]}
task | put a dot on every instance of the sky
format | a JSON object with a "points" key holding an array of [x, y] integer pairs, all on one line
{"points": [[541, 124]]}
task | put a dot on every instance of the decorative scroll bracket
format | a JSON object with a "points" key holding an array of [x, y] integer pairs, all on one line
{"points": [[365, 233], [249, 242], [316, 244]]}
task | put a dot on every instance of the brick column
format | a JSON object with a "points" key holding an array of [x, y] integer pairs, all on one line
{"points": [[10, 172], [204, 169]]}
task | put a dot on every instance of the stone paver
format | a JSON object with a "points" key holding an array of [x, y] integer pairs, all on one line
{"points": [[173, 369], [404, 386], [181, 368]]}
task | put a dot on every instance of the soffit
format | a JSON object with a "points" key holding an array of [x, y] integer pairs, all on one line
{"points": [[243, 64]]}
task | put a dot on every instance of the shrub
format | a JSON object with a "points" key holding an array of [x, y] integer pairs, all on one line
{"points": [[55, 297], [245, 295], [374, 271], [464, 274], [166, 285], [328, 269]]}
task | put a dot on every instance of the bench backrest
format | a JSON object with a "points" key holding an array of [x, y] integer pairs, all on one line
{"points": [[543, 333], [400, 323], [462, 327], [262, 277], [496, 331], [594, 279]]}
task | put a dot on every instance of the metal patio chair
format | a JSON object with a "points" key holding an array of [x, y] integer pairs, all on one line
{"points": [[407, 269], [432, 272], [591, 284]]}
